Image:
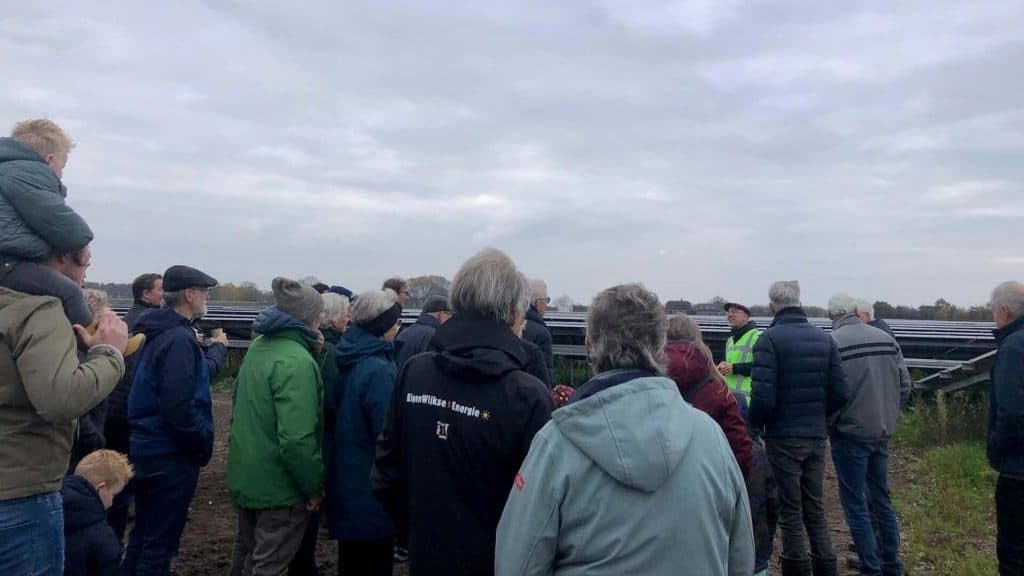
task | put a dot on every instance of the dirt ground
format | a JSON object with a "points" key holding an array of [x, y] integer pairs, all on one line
{"points": [[207, 543]]}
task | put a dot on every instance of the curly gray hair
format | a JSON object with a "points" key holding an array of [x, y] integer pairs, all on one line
{"points": [[626, 328]]}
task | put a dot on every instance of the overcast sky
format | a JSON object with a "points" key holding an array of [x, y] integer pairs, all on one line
{"points": [[705, 148]]}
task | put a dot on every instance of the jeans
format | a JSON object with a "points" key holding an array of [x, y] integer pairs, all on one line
{"points": [[32, 535], [799, 468], [1010, 526], [164, 487], [862, 469]]}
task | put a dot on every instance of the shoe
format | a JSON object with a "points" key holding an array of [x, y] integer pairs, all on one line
{"points": [[851, 547]]}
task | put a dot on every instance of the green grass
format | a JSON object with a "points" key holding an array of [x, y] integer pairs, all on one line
{"points": [[946, 508]]}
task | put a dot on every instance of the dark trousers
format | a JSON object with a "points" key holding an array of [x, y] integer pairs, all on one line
{"points": [[268, 539], [164, 487], [799, 468], [366, 557], [304, 562], [117, 516], [863, 472], [1010, 526]]}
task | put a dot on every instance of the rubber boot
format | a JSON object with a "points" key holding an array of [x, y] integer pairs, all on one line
{"points": [[824, 567], [796, 566]]}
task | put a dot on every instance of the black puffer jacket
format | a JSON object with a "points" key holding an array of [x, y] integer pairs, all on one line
{"points": [[460, 423], [798, 379], [90, 545], [538, 333]]}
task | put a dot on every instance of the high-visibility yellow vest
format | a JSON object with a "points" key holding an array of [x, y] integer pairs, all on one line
{"points": [[741, 352]]}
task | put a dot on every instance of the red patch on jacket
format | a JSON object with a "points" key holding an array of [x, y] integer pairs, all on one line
{"points": [[520, 481]]}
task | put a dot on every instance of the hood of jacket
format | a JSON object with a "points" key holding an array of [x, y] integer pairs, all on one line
{"points": [[274, 321], [477, 346], [13, 151], [428, 320], [790, 315], [82, 504], [637, 431], [158, 321], [356, 344], [688, 365]]}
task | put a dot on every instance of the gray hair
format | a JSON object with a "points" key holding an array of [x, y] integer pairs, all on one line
{"points": [[174, 299], [785, 294], [538, 290], [626, 328], [371, 304], [841, 304], [682, 327], [1011, 295], [489, 284], [96, 300], [865, 307], [334, 306]]}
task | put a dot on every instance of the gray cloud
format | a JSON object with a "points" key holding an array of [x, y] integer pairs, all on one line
{"points": [[702, 147]]}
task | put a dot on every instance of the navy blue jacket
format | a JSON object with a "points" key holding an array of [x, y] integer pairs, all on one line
{"points": [[883, 326], [537, 332], [798, 383], [169, 406], [362, 395], [416, 338], [90, 546], [1006, 414]]}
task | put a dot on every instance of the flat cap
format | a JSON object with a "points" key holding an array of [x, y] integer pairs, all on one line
{"points": [[178, 278]]}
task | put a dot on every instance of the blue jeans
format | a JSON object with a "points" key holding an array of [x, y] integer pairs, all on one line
{"points": [[862, 469], [32, 535], [164, 487]]}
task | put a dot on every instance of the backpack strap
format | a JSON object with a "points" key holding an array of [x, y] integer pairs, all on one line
{"points": [[689, 394]]}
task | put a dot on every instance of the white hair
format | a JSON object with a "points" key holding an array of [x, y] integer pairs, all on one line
{"points": [[538, 290], [866, 307], [489, 284], [842, 304], [96, 300], [785, 294], [334, 306], [1011, 295], [626, 328], [371, 304]]}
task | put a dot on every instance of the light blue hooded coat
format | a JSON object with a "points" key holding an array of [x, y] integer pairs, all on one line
{"points": [[630, 480]]}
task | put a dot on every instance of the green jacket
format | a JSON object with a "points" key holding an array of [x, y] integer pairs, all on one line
{"points": [[34, 220], [43, 390], [274, 454]]}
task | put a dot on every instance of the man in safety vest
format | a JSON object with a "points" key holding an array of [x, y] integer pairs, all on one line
{"points": [[739, 348]]}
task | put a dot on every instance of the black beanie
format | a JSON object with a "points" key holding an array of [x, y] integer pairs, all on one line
{"points": [[384, 322]]}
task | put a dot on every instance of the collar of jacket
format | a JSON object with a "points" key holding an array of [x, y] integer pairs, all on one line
{"points": [[147, 305], [609, 379], [790, 315], [1002, 333], [534, 315], [471, 330], [846, 320], [738, 333], [428, 320], [331, 336]]}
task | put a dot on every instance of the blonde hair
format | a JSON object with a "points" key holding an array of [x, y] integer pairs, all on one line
{"points": [[682, 327], [96, 300], [105, 467], [44, 136]]}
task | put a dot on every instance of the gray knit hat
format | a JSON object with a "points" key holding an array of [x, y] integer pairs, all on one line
{"points": [[297, 300]]}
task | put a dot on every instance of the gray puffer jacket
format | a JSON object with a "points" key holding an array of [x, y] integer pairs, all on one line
{"points": [[34, 219]]}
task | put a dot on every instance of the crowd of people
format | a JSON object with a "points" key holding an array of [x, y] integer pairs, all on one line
{"points": [[446, 445]]}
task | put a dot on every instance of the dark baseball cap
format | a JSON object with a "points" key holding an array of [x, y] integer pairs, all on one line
{"points": [[178, 278]]}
